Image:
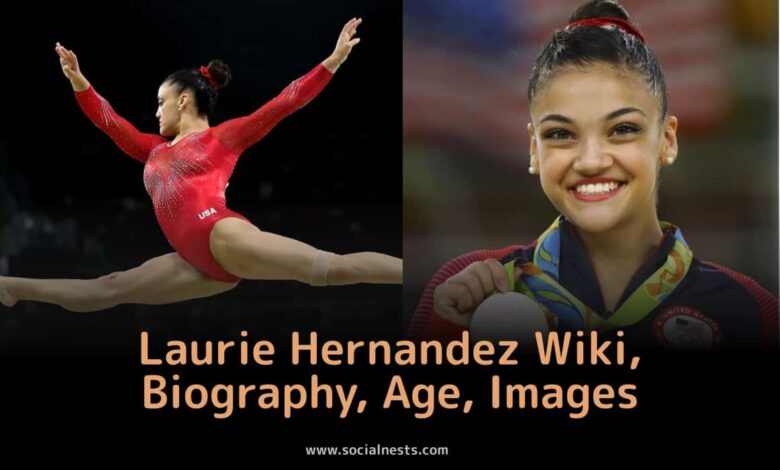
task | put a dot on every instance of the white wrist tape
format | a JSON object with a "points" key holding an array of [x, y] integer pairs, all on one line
{"points": [[320, 268]]}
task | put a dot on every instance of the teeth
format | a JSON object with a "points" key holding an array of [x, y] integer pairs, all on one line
{"points": [[598, 188]]}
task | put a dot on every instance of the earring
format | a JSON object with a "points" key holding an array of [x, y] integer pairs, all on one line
{"points": [[531, 170], [669, 160]]}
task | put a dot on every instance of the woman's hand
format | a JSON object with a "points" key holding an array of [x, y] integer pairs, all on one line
{"points": [[456, 298], [70, 67], [344, 45]]}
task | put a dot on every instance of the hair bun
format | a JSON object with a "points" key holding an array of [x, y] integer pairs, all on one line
{"points": [[599, 9], [220, 72]]}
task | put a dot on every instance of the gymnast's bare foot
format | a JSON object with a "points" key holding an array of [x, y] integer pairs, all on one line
{"points": [[6, 297]]}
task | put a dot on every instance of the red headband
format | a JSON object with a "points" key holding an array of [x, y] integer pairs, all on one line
{"points": [[207, 74], [606, 21]]}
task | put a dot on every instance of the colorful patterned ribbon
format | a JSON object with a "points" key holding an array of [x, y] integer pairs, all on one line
{"points": [[539, 281]]}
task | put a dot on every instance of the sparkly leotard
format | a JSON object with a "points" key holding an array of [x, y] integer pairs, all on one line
{"points": [[187, 180]]}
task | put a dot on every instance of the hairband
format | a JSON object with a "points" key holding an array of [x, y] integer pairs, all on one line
{"points": [[607, 21], [207, 74]]}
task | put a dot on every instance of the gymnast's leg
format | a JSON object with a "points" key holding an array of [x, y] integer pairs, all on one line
{"points": [[162, 280], [247, 252]]}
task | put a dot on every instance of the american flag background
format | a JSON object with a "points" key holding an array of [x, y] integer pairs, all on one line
{"points": [[466, 64], [466, 69]]}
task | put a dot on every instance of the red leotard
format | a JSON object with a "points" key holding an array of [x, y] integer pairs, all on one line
{"points": [[187, 181]]}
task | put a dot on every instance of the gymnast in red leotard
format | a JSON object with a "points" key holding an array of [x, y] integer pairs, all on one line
{"points": [[186, 178]]}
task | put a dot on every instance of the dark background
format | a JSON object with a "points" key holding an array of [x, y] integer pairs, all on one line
{"points": [[72, 205]]}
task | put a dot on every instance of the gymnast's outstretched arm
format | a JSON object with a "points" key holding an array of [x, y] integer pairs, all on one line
{"points": [[133, 142], [240, 133]]}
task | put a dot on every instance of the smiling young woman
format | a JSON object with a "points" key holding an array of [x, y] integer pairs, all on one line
{"points": [[600, 134]]}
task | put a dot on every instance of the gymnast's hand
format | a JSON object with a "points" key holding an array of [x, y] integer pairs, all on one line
{"points": [[456, 298], [70, 67], [344, 45]]}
